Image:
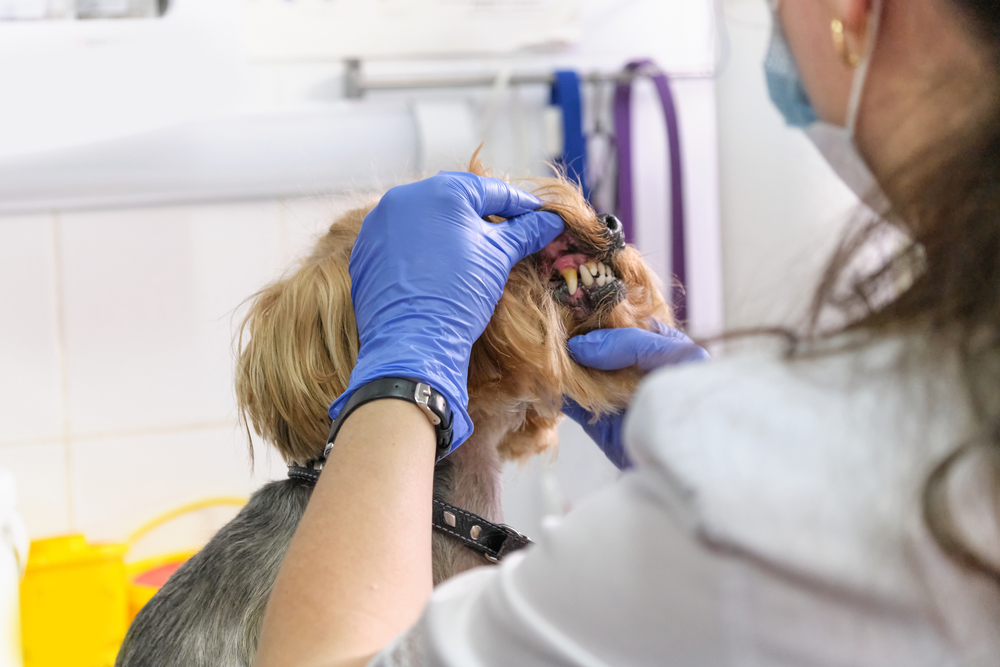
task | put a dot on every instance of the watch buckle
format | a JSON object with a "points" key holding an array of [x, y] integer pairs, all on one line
{"points": [[421, 396]]}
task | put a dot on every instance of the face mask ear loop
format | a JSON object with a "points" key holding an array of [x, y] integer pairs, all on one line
{"points": [[861, 73]]}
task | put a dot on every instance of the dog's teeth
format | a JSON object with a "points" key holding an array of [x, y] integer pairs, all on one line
{"points": [[592, 266], [602, 281], [586, 276], [570, 276], [602, 271]]}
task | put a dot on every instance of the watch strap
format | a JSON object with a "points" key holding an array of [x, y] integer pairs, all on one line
{"points": [[429, 400]]}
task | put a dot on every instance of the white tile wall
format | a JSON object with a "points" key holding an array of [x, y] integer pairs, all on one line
{"points": [[31, 400], [116, 396], [42, 485], [149, 297], [120, 482], [116, 352], [305, 220]]}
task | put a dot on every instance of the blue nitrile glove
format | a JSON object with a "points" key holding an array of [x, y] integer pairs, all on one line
{"points": [[612, 349], [426, 275]]}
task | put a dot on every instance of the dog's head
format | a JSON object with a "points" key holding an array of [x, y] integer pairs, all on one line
{"points": [[299, 341]]}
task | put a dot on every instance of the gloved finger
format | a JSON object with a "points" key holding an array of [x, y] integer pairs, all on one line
{"points": [[679, 348], [491, 196], [683, 352], [608, 349], [665, 330], [527, 234], [613, 349]]}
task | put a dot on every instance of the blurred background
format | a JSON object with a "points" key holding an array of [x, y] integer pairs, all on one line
{"points": [[160, 161]]}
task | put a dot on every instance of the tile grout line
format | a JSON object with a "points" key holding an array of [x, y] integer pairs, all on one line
{"points": [[63, 364], [283, 241], [124, 433], [157, 430]]}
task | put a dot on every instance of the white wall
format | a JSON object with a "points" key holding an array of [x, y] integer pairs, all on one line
{"points": [[782, 208], [115, 341], [115, 398], [115, 388]]}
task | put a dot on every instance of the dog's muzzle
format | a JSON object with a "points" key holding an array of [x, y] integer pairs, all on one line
{"points": [[582, 274]]}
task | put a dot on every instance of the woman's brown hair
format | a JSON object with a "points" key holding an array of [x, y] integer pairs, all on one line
{"points": [[947, 199]]}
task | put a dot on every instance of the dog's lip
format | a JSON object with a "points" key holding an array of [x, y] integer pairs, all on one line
{"points": [[588, 303], [594, 295], [566, 253]]}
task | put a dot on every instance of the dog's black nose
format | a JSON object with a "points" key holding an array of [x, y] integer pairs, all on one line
{"points": [[615, 228]]}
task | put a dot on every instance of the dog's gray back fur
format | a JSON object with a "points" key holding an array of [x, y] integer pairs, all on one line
{"points": [[210, 611]]}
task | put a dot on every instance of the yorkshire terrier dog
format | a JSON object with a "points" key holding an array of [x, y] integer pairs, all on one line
{"points": [[298, 344]]}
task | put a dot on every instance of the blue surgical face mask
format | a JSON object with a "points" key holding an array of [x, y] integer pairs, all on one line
{"points": [[784, 82], [836, 144]]}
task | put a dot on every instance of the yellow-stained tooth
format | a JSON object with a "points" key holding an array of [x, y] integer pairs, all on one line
{"points": [[570, 276], [586, 276], [593, 268]]}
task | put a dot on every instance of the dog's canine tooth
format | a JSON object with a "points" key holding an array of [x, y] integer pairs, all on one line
{"points": [[586, 276], [571, 280]]}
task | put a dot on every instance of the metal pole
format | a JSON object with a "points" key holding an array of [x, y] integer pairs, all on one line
{"points": [[356, 84]]}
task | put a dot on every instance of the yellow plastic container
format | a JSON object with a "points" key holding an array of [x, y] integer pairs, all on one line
{"points": [[78, 599], [73, 603], [146, 576]]}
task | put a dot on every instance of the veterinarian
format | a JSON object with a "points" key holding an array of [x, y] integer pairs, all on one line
{"points": [[837, 506]]}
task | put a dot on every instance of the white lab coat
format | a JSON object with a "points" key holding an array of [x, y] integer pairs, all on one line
{"points": [[773, 519]]}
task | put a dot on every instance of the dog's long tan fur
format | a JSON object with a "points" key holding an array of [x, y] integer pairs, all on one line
{"points": [[298, 345]]}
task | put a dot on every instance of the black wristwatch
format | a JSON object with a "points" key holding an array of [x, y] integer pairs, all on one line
{"points": [[428, 399]]}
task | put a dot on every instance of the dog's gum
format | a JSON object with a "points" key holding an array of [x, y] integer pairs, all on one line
{"points": [[569, 262]]}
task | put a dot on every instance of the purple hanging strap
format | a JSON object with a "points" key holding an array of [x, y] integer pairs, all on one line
{"points": [[623, 134]]}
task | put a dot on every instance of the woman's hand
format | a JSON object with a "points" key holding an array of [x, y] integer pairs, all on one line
{"points": [[613, 349], [427, 273]]}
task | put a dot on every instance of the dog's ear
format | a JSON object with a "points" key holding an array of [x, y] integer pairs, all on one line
{"points": [[538, 434], [298, 345]]}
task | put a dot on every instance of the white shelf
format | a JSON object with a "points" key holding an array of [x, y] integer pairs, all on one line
{"points": [[289, 154], [108, 113]]}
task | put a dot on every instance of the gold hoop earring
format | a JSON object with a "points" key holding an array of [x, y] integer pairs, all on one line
{"points": [[840, 44]]}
